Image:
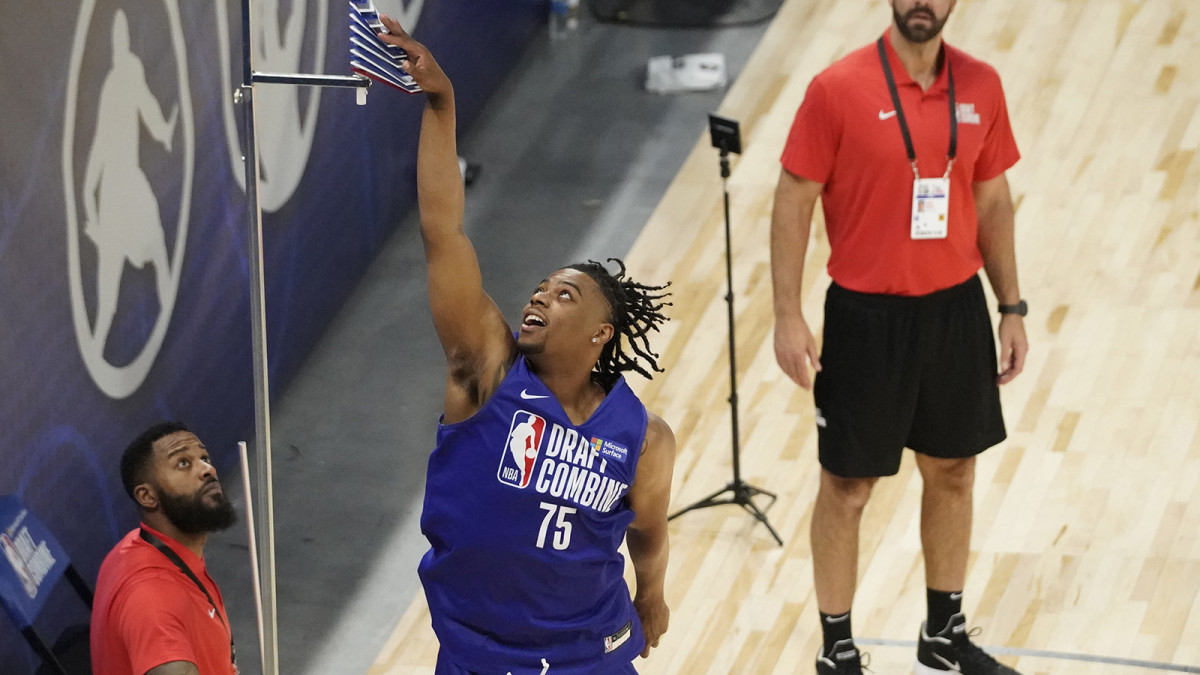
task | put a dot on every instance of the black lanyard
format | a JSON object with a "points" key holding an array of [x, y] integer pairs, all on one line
{"points": [[908, 144], [174, 558]]}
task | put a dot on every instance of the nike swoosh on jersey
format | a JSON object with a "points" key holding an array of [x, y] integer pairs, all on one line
{"points": [[886, 115], [529, 397]]}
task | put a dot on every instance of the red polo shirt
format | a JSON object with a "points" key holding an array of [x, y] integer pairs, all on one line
{"points": [[846, 136], [147, 612]]}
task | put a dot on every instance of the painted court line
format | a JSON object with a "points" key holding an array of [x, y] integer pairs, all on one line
{"points": [[1064, 656]]}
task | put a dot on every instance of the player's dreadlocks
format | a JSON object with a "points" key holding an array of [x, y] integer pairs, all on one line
{"points": [[634, 310]]}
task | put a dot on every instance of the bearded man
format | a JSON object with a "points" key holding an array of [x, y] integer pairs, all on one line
{"points": [[157, 612]]}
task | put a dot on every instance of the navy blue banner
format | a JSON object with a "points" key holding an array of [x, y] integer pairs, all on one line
{"points": [[124, 286], [32, 562]]}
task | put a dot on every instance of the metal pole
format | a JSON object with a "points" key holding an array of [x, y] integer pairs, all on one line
{"points": [[733, 397], [265, 574], [254, 576], [348, 81], [262, 394]]}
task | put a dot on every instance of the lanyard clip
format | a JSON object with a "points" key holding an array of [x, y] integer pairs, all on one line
{"points": [[949, 165], [917, 174]]}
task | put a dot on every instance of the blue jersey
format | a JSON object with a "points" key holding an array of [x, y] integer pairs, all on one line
{"points": [[524, 512]]}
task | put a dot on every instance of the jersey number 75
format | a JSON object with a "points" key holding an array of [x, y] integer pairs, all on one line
{"points": [[562, 526]]}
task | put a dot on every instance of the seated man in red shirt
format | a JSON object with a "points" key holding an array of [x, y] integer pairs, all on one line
{"points": [[157, 612]]}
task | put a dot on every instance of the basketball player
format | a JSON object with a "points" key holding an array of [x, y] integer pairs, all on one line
{"points": [[523, 575]]}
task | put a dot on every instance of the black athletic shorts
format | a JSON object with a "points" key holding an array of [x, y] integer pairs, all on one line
{"points": [[896, 372]]}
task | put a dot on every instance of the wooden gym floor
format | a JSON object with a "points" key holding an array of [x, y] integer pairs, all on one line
{"points": [[1086, 551]]}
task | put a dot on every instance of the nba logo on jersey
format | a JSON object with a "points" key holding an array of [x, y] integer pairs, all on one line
{"points": [[521, 449]]}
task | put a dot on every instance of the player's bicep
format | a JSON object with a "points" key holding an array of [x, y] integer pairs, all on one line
{"points": [[650, 494]]}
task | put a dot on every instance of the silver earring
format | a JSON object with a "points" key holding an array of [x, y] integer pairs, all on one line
{"points": [[593, 340]]}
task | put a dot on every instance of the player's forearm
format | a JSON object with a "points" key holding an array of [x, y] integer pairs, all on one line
{"points": [[439, 182], [791, 222], [997, 245], [648, 551]]}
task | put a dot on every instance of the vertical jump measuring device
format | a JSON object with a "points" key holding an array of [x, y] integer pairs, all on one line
{"points": [[244, 96]]}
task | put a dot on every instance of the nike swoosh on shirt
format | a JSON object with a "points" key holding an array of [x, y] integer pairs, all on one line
{"points": [[529, 397], [886, 115]]}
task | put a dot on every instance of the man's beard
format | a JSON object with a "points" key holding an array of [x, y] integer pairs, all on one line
{"points": [[919, 35], [192, 515]]}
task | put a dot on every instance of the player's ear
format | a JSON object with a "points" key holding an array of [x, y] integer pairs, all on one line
{"points": [[146, 497], [604, 333]]}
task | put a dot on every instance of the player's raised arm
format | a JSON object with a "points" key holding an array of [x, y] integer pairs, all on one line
{"points": [[477, 342]]}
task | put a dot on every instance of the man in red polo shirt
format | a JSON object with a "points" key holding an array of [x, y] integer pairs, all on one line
{"points": [[157, 612], [916, 202]]}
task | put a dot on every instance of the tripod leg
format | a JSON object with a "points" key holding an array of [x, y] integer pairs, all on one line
{"points": [[742, 494], [753, 509], [752, 491], [710, 500]]}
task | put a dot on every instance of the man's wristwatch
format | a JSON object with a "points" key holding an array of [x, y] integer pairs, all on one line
{"points": [[1020, 309]]}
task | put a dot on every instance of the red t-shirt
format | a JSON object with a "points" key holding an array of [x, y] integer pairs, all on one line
{"points": [[847, 137], [147, 612]]}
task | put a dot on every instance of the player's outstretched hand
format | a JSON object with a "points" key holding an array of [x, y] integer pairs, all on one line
{"points": [[655, 616], [420, 63]]}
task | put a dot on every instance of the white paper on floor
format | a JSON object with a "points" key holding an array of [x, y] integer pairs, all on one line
{"points": [[693, 72]]}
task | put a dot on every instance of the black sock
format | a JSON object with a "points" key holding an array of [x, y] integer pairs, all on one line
{"points": [[835, 627], [942, 606]]}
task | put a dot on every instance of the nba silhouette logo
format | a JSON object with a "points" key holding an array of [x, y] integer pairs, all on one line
{"points": [[18, 565], [521, 449]]}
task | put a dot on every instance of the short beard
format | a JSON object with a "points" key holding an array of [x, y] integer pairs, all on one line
{"points": [[919, 35], [192, 516]]}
